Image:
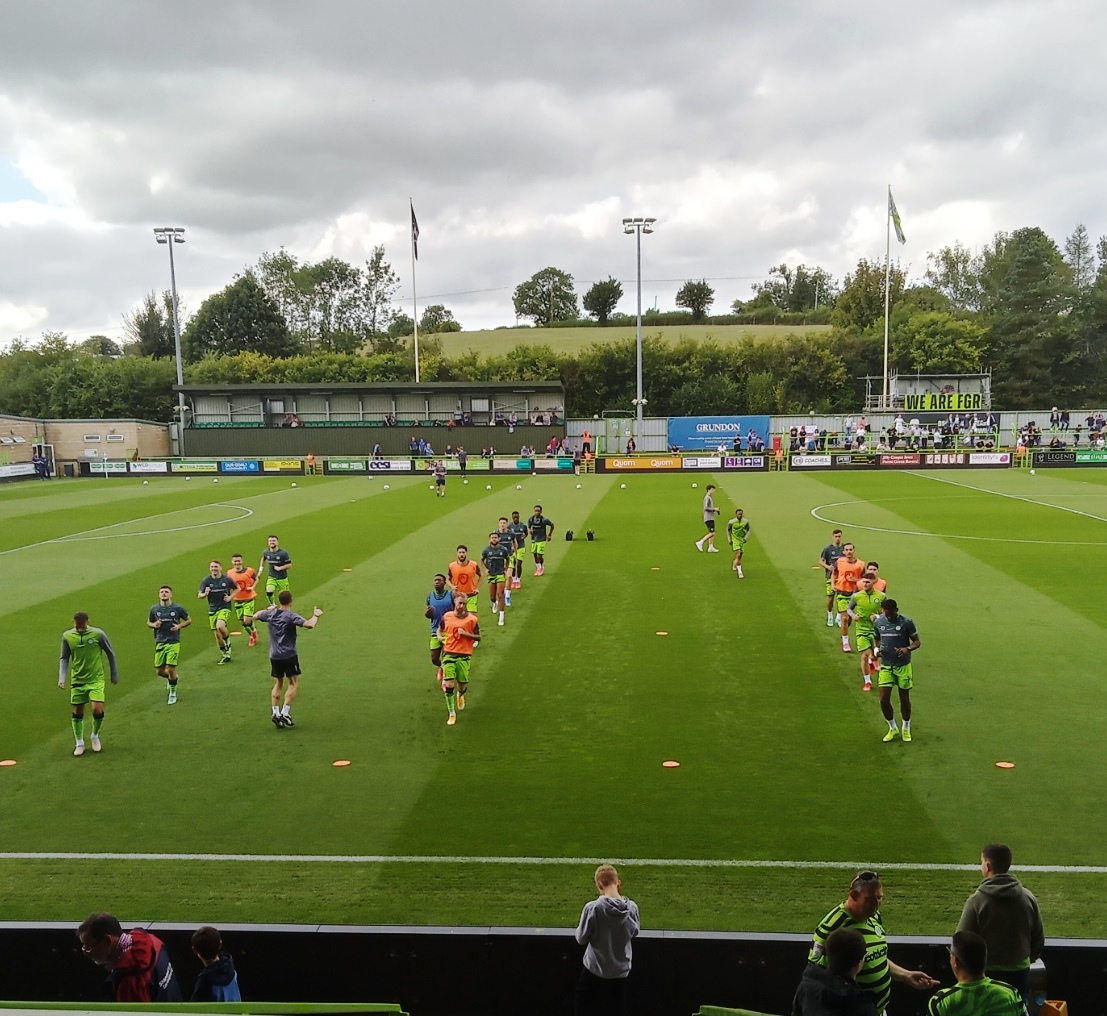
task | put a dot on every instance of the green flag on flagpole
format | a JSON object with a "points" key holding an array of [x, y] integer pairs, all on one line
{"points": [[894, 213]]}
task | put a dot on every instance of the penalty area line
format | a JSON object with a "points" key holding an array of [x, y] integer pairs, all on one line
{"points": [[651, 862]]}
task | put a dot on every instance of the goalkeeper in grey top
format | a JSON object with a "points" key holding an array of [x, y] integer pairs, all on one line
{"points": [[709, 513]]}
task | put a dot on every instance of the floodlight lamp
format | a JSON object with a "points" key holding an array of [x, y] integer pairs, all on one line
{"points": [[160, 238], [649, 221], [646, 229], [626, 222]]}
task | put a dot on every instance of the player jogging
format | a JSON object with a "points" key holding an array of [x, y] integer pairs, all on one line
{"points": [[519, 531], [167, 619], [440, 479], [463, 576], [495, 557], [899, 638], [737, 533], [81, 661], [459, 633], [219, 590], [276, 560], [847, 570], [246, 580], [863, 607], [827, 559], [284, 660], [540, 529], [873, 569], [507, 538], [440, 601], [709, 513]]}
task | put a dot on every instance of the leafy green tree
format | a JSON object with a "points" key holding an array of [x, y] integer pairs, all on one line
{"points": [[696, 297], [860, 305], [955, 271], [240, 317], [149, 327], [936, 342], [401, 325], [1080, 259], [100, 345], [602, 298], [379, 284], [546, 297], [795, 289], [437, 318]]}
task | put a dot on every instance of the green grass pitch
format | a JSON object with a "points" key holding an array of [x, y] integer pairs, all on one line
{"points": [[573, 705]]}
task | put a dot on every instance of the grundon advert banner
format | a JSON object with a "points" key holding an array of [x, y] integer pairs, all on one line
{"points": [[701, 433]]}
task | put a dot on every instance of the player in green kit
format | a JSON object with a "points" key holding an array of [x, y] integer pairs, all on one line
{"points": [[827, 559], [495, 558], [276, 560], [541, 529], [737, 533], [82, 662], [219, 590], [864, 606], [167, 619], [899, 638], [519, 533], [507, 538]]}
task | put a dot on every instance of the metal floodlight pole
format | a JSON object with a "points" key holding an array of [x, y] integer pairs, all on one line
{"points": [[638, 226], [170, 235]]}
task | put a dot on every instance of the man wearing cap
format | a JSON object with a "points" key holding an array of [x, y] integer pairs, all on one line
{"points": [[1006, 915], [861, 910], [973, 992]]}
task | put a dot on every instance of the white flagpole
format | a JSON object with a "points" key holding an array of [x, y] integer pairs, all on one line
{"points": [[887, 286], [415, 301]]}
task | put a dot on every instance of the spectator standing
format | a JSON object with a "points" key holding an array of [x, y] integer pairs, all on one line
{"points": [[138, 965], [1005, 914], [586, 443], [834, 991], [973, 992], [218, 981], [631, 446], [462, 459], [310, 463], [861, 911], [608, 925]]}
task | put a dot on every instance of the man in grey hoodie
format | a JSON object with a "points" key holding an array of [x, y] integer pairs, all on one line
{"points": [[1005, 914], [607, 927]]}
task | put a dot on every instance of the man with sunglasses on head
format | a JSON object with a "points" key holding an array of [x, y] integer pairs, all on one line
{"points": [[861, 910]]}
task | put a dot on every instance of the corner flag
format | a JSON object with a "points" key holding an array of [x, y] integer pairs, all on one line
{"points": [[892, 211]]}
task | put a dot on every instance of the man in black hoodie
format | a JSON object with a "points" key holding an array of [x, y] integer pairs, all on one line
{"points": [[218, 981], [832, 990], [1005, 914]]}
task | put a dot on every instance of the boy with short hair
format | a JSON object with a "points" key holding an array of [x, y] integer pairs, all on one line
{"points": [[218, 981]]}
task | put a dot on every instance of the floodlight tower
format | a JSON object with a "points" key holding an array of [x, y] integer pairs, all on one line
{"points": [[170, 235], [638, 226]]}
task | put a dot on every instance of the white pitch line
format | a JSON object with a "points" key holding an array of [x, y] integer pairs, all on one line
{"points": [[940, 536], [653, 862], [84, 536], [1013, 497]]}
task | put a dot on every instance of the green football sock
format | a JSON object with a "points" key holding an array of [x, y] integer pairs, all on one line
{"points": [[451, 701], [97, 723], [78, 727]]}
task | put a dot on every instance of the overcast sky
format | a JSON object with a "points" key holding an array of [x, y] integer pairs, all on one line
{"points": [[524, 132]]}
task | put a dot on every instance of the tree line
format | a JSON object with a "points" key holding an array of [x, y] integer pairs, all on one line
{"points": [[1033, 311]]}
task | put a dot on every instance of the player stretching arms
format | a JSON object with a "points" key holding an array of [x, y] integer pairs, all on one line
{"points": [[495, 557], [219, 589], [80, 659], [541, 529], [167, 619], [827, 559], [863, 607], [459, 633], [246, 580], [518, 532], [737, 532], [899, 638], [278, 561], [463, 576], [847, 570], [440, 601]]}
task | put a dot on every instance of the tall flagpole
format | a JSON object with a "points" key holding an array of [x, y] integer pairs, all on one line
{"points": [[887, 286], [414, 297]]}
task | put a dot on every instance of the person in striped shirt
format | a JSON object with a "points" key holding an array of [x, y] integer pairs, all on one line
{"points": [[861, 910], [974, 994]]}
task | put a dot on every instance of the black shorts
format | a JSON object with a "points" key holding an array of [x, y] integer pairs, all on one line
{"points": [[285, 668], [710, 523], [440, 481]]}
